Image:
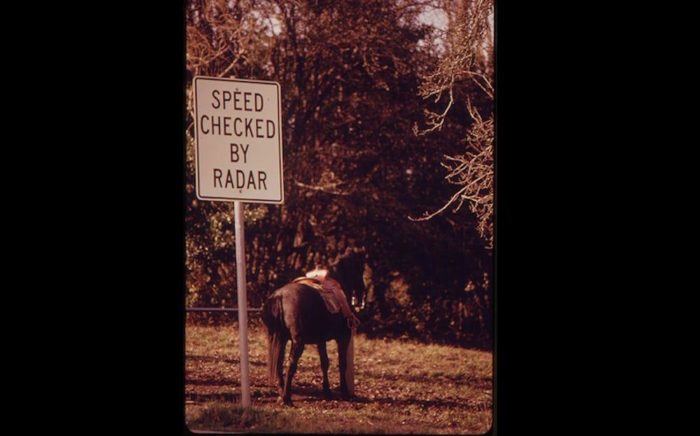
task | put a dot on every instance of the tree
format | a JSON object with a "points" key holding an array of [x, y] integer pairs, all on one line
{"points": [[465, 75], [350, 74]]}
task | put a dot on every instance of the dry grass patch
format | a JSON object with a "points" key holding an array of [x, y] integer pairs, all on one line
{"points": [[401, 387]]}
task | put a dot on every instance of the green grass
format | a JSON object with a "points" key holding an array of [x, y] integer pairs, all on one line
{"points": [[401, 387]]}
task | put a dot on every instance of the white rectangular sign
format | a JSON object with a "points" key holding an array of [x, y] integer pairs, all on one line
{"points": [[238, 140]]}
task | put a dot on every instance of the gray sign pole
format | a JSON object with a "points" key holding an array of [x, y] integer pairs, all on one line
{"points": [[242, 302]]}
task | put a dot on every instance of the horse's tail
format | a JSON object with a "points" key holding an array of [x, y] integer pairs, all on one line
{"points": [[273, 318]]}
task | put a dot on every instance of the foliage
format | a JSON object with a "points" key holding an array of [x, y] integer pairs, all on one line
{"points": [[353, 77]]}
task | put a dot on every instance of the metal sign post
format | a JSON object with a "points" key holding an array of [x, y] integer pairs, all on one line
{"points": [[242, 301], [238, 157]]}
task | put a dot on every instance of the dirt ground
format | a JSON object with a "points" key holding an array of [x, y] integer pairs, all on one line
{"points": [[401, 387]]}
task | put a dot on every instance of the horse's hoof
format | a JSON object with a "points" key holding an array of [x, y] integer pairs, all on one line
{"points": [[327, 395], [285, 401]]}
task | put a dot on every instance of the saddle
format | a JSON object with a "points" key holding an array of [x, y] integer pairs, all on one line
{"points": [[329, 299]]}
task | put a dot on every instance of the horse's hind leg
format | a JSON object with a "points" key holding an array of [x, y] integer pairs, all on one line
{"points": [[294, 355], [343, 343], [323, 354], [280, 366]]}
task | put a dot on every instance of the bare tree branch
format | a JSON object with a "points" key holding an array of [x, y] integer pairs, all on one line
{"points": [[466, 63]]}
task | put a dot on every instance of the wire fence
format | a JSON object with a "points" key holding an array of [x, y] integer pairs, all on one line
{"points": [[220, 309], [219, 314]]}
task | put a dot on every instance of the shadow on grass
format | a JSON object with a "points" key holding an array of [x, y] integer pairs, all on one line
{"points": [[404, 402], [477, 382], [200, 358], [304, 393], [219, 381], [227, 397], [307, 392]]}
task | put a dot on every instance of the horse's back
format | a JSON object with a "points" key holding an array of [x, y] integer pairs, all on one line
{"points": [[301, 312]]}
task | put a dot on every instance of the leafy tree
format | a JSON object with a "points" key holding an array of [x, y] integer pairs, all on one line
{"points": [[352, 75]]}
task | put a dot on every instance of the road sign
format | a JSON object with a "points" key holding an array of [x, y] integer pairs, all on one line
{"points": [[238, 157], [238, 140]]}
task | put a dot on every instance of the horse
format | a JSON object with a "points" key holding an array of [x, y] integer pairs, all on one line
{"points": [[297, 312]]}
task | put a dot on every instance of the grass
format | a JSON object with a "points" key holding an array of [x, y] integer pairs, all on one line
{"points": [[401, 387]]}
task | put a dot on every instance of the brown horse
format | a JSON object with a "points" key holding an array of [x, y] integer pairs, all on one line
{"points": [[297, 312]]}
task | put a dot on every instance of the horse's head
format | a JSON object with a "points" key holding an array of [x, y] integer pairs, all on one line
{"points": [[349, 270]]}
